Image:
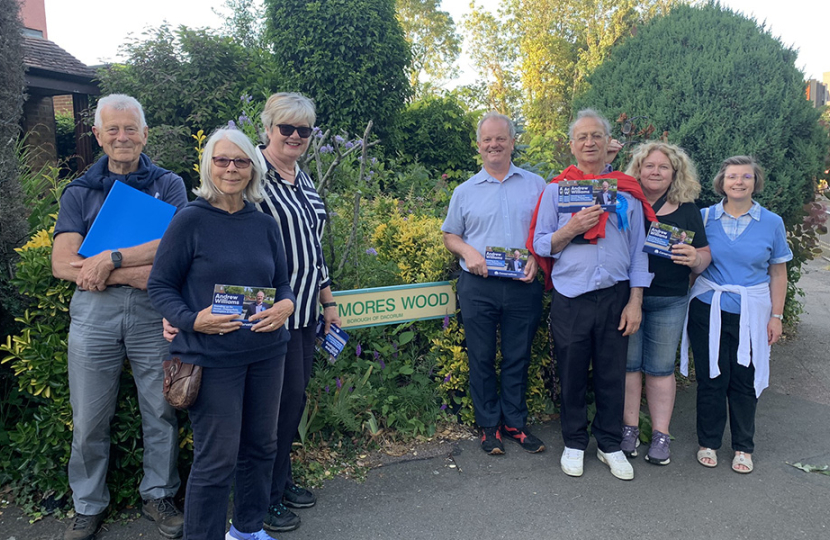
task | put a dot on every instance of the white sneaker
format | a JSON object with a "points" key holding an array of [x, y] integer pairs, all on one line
{"points": [[620, 467], [571, 461]]}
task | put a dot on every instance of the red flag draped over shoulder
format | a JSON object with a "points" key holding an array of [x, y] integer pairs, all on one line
{"points": [[624, 183]]}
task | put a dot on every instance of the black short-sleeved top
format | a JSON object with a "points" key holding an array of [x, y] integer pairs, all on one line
{"points": [[671, 279]]}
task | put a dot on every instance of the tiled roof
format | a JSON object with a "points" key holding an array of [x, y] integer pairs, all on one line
{"points": [[44, 54]]}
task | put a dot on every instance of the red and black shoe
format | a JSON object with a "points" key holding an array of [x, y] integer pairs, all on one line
{"points": [[491, 441], [525, 438]]}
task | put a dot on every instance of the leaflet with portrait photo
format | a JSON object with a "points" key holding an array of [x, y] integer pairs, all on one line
{"points": [[333, 343], [243, 300], [506, 262], [574, 195], [661, 237]]}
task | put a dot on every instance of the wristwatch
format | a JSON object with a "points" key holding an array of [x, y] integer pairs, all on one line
{"points": [[777, 316], [116, 258], [329, 304]]}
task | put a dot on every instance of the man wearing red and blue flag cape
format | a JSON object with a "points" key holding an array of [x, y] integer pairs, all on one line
{"points": [[598, 278]]}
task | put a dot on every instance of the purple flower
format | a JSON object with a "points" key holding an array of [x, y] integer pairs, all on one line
{"points": [[444, 407], [349, 144], [327, 389], [448, 377], [339, 139], [351, 389], [359, 350], [382, 364], [231, 124], [326, 149], [374, 161], [371, 251], [244, 119], [339, 382], [446, 321], [246, 98], [376, 355], [317, 132]]}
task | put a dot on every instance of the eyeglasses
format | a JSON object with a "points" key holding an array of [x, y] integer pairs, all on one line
{"points": [[240, 163], [746, 177], [286, 130]]}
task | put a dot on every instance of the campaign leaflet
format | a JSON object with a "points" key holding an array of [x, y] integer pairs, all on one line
{"points": [[330, 344], [242, 300], [574, 195], [661, 237], [506, 262]]}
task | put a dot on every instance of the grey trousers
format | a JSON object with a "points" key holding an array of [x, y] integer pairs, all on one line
{"points": [[106, 328]]}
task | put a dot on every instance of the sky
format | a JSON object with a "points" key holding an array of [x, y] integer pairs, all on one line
{"points": [[93, 30]]}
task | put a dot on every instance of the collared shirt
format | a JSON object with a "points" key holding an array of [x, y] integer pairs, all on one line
{"points": [[301, 215], [487, 213], [582, 268], [735, 226]]}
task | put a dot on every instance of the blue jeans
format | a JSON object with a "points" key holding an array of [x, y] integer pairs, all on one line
{"points": [[234, 422], [653, 348], [106, 328]]}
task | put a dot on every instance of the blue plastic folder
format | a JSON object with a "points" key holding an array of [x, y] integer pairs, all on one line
{"points": [[128, 218]]}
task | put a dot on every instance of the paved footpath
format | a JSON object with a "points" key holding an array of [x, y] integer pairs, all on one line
{"points": [[464, 494]]}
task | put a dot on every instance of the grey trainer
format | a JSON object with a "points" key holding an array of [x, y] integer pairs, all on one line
{"points": [[83, 527], [630, 441], [658, 452]]}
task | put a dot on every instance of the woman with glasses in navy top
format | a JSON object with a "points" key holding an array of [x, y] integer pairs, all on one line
{"points": [[736, 311]]}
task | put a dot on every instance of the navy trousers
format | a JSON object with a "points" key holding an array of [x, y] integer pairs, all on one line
{"points": [[487, 306], [234, 422], [298, 363], [734, 386]]}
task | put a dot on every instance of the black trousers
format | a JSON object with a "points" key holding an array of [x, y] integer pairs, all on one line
{"points": [[734, 386], [487, 306], [585, 331], [299, 359]]}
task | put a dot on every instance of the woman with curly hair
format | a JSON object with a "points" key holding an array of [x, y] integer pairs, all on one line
{"points": [[669, 181]]}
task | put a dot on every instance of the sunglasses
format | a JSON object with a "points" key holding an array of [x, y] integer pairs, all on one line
{"points": [[240, 163], [286, 130]]}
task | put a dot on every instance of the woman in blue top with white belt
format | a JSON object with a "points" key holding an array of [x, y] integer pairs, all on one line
{"points": [[747, 280]]}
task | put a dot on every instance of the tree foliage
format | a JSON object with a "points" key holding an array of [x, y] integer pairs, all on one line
{"points": [[349, 56], [437, 133], [432, 38], [560, 42], [13, 228], [719, 97], [186, 80], [493, 52]]}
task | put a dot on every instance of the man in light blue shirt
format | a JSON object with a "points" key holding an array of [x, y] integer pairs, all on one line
{"points": [[597, 298], [494, 208]]}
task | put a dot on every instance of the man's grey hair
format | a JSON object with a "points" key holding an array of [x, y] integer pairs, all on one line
{"points": [[589, 113], [494, 114], [120, 102]]}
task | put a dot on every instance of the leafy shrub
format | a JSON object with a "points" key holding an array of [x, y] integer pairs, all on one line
{"points": [[437, 133]]}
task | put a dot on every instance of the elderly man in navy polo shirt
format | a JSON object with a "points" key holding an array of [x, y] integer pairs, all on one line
{"points": [[597, 297], [494, 208]]}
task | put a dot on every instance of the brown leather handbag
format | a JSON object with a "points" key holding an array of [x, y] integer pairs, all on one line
{"points": [[181, 382]]}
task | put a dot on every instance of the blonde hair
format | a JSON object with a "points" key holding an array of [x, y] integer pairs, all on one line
{"points": [[717, 183], [207, 189], [287, 108], [685, 186]]}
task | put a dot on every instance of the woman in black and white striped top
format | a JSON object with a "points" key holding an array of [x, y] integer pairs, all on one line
{"points": [[292, 200]]}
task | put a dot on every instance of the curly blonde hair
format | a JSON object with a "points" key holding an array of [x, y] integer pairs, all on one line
{"points": [[685, 186]]}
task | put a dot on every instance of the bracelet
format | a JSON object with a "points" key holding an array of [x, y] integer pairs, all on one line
{"points": [[777, 316], [329, 304]]}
